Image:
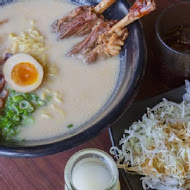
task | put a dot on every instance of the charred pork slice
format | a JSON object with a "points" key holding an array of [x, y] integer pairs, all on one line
{"points": [[107, 38], [99, 43], [77, 23]]}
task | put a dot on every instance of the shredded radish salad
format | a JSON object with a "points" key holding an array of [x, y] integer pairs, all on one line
{"points": [[158, 146]]}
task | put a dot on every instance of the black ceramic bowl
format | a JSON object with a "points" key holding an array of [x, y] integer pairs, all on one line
{"points": [[132, 65]]}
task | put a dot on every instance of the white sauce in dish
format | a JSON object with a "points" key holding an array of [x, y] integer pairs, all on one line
{"points": [[84, 88], [91, 174]]}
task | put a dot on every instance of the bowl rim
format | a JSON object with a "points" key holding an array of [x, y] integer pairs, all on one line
{"points": [[108, 120]]}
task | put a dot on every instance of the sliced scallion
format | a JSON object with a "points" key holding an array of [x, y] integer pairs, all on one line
{"points": [[18, 112]]}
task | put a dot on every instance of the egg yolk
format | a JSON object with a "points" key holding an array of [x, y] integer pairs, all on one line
{"points": [[24, 74]]}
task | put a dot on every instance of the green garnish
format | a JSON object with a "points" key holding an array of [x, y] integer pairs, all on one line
{"points": [[49, 98], [70, 126], [18, 112]]}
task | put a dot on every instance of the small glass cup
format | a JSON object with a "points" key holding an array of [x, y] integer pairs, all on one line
{"points": [[175, 65], [86, 157]]}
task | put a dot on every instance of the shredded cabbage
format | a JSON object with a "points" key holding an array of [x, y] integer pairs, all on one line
{"points": [[158, 146]]}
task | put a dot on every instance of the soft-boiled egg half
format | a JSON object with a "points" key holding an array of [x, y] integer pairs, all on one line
{"points": [[23, 73]]}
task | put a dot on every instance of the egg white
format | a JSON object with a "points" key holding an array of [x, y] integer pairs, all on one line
{"points": [[12, 62]]}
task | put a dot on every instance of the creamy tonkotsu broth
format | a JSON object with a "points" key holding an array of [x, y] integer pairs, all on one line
{"points": [[83, 89]]}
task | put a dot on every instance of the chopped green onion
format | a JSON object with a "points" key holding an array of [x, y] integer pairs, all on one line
{"points": [[49, 98], [17, 98], [18, 112], [24, 104], [41, 103], [28, 121], [70, 126]]}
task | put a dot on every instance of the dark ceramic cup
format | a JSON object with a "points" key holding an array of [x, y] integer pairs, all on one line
{"points": [[175, 63]]}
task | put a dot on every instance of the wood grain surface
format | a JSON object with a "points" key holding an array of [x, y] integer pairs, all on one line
{"points": [[47, 173]]}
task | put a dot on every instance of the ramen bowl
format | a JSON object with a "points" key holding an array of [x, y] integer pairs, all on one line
{"points": [[132, 66]]}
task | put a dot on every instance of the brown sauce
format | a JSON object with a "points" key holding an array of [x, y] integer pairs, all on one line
{"points": [[178, 38]]}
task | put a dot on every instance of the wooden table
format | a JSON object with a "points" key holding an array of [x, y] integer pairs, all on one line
{"points": [[47, 173]]}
